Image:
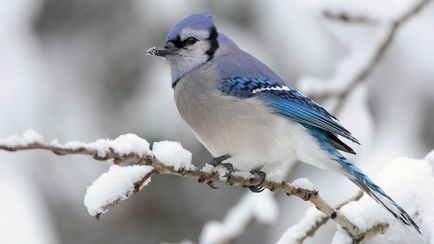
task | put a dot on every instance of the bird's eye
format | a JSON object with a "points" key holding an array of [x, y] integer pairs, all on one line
{"points": [[191, 41]]}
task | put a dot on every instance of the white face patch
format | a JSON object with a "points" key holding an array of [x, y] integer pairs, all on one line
{"points": [[187, 59], [190, 55], [272, 88], [198, 34]]}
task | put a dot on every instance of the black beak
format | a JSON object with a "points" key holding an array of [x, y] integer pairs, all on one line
{"points": [[161, 52]]}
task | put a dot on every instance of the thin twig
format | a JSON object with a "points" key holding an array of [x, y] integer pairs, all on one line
{"points": [[347, 18], [367, 66], [249, 210], [136, 188], [371, 233], [323, 220], [378, 55]]}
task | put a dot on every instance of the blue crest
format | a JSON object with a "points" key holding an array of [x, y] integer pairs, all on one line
{"points": [[199, 21]]}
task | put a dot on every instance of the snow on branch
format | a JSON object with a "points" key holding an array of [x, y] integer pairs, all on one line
{"points": [[300, 231], [122, 148], [174, 160], [118, 184], [310, 223], [361, 61], [252, 207], [409, 182]]}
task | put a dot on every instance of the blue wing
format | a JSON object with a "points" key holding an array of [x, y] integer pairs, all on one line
{"points": [[285, 101]]}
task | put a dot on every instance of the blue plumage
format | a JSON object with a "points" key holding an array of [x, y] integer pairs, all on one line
{"points": [[203, 20], [292, 104], [360, 179], [243, 87], [285, 101]]}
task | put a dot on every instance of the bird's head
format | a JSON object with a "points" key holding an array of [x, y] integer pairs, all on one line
{"points": [[190, 43]]}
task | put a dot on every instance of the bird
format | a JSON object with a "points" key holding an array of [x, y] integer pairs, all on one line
{"points": [[245, 114]]}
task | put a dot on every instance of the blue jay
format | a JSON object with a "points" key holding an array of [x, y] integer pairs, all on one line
{"points": [[242, 111]]}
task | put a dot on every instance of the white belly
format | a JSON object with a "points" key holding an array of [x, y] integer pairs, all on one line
{"points": [[252, 142], [271, 142]]}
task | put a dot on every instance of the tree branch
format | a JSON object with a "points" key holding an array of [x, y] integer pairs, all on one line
{"points": [[378, 54], [251, 208], [367, 61], [207, 174], [347, 18], [322, 220]]}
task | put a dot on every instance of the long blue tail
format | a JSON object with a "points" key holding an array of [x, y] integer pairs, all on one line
{"points": [[369, 187], [359, 178]]}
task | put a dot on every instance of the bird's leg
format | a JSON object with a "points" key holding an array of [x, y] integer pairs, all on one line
{"points": [[262, 175], [218, 161], [211, 184]]}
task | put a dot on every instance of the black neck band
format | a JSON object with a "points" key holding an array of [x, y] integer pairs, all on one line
{"points": [[214, 44]]}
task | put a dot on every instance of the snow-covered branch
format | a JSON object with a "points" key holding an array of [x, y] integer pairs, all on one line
{"points": [[252, 207], [167, 158], [117, 185], [409, 181], [361, 62], [310, 223]]}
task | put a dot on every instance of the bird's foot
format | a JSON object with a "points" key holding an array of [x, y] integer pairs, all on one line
{"points": [[211, 184], [260, 186], [219, 161], [229, 168]]}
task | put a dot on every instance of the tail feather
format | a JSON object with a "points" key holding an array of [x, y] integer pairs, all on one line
{"points": [[374, 191], [329, 145]]}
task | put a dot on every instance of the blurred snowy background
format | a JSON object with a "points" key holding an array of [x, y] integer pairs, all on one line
{"points": [[76, 70]]}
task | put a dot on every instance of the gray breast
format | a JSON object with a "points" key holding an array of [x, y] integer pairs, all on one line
{"points": [[224, 124]]}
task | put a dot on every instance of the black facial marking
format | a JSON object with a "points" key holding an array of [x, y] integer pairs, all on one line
{"points": [[214, 44], [177, 42], [182, 44], [212, 39]]}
